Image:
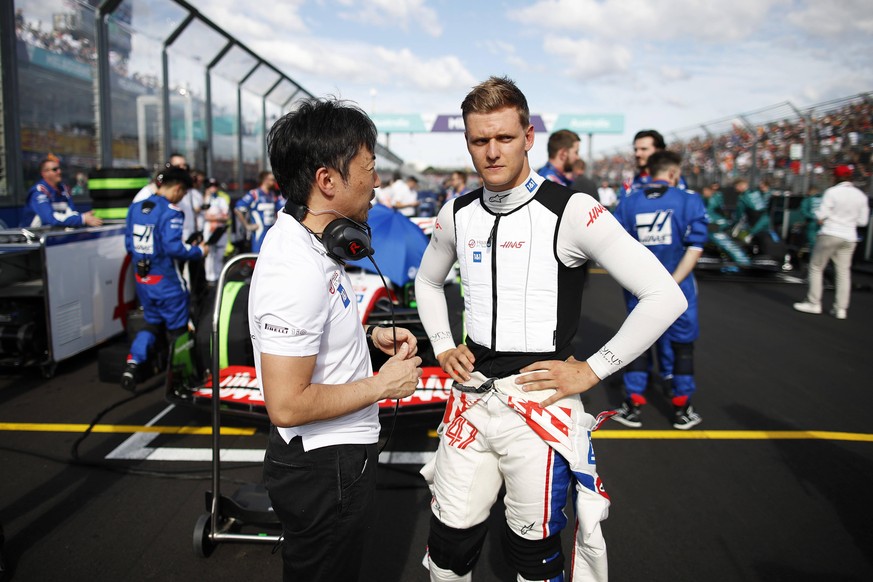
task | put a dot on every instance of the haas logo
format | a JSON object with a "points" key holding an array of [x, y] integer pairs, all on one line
{"points": [[594, 213], [512, 244]]}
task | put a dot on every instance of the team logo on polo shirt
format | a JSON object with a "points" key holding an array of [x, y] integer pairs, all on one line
{"points": [[343, 295], [334, 282]]}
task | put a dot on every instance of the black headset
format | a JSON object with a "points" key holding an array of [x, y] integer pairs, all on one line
{"points": [[343, 238]]}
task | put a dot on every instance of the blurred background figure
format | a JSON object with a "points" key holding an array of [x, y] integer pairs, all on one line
{"points": [[216, 212], [843, 210], [50, 202]]}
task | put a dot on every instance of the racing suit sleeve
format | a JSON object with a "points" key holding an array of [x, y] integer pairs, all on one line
{"points": [[697, 222], [589, 231], [171, 237], [438, 259], [42, 206]]}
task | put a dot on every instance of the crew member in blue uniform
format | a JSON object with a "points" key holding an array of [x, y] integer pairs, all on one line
{"points": [[154, 240], [670, 222], [646, 143], [563, 149], [50, 203], [257, 209]]}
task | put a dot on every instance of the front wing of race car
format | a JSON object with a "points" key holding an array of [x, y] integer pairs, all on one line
{"points": [[240, 395]]}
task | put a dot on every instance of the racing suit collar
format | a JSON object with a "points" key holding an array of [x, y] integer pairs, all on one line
{"points": [[509, 200]]}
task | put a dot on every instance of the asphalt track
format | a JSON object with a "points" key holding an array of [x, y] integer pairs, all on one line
{"points": [[776, 485]]}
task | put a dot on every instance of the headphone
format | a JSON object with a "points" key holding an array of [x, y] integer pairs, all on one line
{"points": [[343, 238]]}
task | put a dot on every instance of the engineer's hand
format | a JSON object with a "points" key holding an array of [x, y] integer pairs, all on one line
{"points": [[383, 338], [567, 377], [457, 363], [399, 375]]}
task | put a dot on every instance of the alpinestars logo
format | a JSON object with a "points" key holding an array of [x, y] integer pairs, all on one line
{"points": [[655, 228], [498, 197]]}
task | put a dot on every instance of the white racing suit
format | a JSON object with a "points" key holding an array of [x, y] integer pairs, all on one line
{"points": [[520, 253], [508, 428]]}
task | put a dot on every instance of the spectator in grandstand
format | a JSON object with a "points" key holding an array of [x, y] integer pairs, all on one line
{"points": [[50, 203], [154, 240], [808, 208], [176, 160], [310, 349], [844, 209], [515, 364], [670, 222], [256, 211], [581, 182], [216, 212], [563, 151], [606, 194]]}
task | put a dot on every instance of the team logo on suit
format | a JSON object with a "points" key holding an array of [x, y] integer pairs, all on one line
{"points": [[655, 228]]}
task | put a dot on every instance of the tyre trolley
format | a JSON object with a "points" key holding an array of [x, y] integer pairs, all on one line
{"points": [[249, 505]]}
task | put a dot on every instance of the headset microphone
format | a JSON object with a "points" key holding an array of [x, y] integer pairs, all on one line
{"points": [[344, 239]]}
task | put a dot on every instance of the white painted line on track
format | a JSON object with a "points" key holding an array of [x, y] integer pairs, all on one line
{"points": [[136, 446]]}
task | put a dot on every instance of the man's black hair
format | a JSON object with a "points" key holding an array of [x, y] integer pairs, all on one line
{"points": [[662, 160], [657, 138], [172, 176], [319, 133]]}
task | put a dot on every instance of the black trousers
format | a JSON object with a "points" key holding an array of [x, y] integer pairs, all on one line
{"points": [[324, 499]]}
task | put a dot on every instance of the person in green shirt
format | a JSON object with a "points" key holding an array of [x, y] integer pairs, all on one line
{"points": [[808, 206], [754, 206], [715, 208]]}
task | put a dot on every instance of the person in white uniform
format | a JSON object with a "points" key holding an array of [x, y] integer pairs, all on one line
{"points": [[514, 417], [844, 209], [311, 351]]}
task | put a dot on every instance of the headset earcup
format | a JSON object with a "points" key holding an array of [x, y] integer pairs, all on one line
{"points": [[346, 240]]}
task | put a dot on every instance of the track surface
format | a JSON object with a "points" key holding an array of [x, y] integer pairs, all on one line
{"points": [[776, 484]]}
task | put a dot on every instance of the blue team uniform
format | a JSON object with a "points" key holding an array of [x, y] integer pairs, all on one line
{"points": [[47, 206], [550, 172], [154, 234], [641, 180], [261, 207], [667, 221]]}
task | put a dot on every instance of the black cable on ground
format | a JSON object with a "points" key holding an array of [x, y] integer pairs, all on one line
{"points": [[76, 460]]}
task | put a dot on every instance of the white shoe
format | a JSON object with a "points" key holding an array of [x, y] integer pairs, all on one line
{"points": [[838, 313], [807, 307]]}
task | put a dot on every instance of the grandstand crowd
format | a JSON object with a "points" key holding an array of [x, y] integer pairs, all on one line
{"points": [[842, 136]]}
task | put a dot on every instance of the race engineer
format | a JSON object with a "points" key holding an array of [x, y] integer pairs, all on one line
{"points": [[521, 242], [563, 151], [646, 142], [154, 240], [256, 211], [49, 202], [310, 349], [671, 223]]}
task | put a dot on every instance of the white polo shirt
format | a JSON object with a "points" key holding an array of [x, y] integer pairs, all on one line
{"points": [[302, 303]]}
